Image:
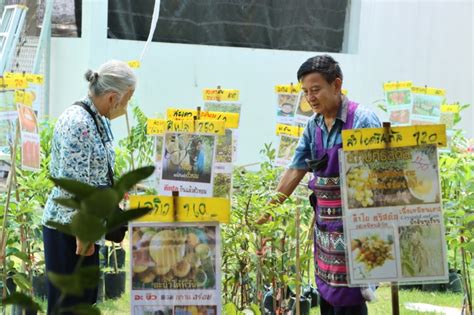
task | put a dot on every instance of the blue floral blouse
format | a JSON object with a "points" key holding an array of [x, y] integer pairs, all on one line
{"points": [[78, 153]]}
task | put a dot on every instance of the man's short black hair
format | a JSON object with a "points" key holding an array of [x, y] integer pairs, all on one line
{"points": [[322, 64]]}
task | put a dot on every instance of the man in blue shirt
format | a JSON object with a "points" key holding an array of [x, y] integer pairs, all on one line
{"points": [[317, 151]]}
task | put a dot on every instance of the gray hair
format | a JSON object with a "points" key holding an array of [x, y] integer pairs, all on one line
{"points": [[112, 76]]}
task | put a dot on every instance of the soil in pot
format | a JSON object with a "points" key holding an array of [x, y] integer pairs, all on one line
{"points": [[114, 284]]}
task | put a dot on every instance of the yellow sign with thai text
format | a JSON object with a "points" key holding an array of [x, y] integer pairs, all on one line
{"points": [[452, 108], [188, 209], [180, 126], [390, 86], [376, 138], [24, 97], [13, 83], [220, 95], [288, 88], [156, 126], [294, 131], [231, 119], [210, 126], [428, 91], [35, 78]]}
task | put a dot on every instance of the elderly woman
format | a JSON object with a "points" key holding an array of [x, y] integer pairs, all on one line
{"points": [[82, 150]]}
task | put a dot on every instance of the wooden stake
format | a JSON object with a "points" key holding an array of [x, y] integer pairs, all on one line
{"points": [[175, 195], [393, 285], [298, 272]]}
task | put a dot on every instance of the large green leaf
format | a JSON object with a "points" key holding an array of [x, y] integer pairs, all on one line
{"points": [[101, 203], [120, 218], [75, 284], [23, 300], [127, 181], [74, 187], [22, 281], [87, 228], [68, 202]]}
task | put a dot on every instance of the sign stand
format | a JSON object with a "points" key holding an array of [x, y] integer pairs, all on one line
{"points": [[393, 285]]}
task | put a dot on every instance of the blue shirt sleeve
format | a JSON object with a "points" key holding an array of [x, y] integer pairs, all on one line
{"points": [[303, 150]]}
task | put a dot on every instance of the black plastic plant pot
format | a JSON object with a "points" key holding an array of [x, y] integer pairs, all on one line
{"points": [[268, 302], [305, 305], [120, 257], [40, 288], [114, 284], [103, 256], [11, 285], [455, 282], [18, 310], [434, 287]]}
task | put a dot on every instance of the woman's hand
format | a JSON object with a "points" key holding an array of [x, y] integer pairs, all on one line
{"points": [[84, 249]]}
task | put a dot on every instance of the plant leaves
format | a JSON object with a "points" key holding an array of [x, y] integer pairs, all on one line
{"points": [[74, 187], [23, 256], [120, 218], [75, 284], [101, 203], [68, 202], [127, 181], [230, 309], [86, 227], [83, 309], [23, 300], [22, 281]]}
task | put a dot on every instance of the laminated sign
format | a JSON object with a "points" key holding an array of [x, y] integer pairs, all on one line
{"points": [[393, 219]]}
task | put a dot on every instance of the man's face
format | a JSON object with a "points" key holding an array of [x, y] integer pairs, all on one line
{"points": [[323, 97]]}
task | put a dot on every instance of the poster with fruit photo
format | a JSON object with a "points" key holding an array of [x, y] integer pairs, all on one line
{"points": [[399, 102], [30, 140], [175, 267], [303, 111], [426, 105], [286, 150], [286, 106], [392, 213]]}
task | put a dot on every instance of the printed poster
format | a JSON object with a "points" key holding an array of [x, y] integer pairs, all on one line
{"points": [[158, 157], [5, 167], [187, 166], [426, 105], [286, 150], [30, 139], [399, 102], [223, 166], [175, 268], [303, 111], [393, 216], [286, 107]]}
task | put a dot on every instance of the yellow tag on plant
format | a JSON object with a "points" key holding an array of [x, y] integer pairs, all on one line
{"points": [[390, 86], [450, 108], [156, 126], [13, 83], [180, 114], [180, 126], [375, 138], [231, 119], [24, 97], [134, 64], [220, 95], [428, 91], [295, 131], [288, 88], [35, 78]]}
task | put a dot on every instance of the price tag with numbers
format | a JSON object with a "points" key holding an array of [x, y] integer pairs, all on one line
{"points": [[231, 119], [220, 95], [188, 209], [376, 138], [211, 126], [13, 83]]}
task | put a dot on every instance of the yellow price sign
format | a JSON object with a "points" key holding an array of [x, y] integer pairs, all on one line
{"points": [[134, 64], [220, 95], [231, 119], [35, 78], [453, 108], [180, 114], [428, 91], [24, 97], [13, 83], [211, 126], [294, 131], [180, 126], [156, 126], [390, 86], [188, 209], [409, 136], [288, 88]]}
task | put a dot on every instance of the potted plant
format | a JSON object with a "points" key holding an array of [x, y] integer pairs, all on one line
{"points": [[114, 275]]}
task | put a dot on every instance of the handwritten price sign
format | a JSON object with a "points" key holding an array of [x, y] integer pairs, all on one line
{"points": [[13, 83], [180, 125], [155, 126], [453, 108], [428, 91], [294, 131], [288, 88], [211, 126], [23, 97], [390, 86], [37, 79], [188, 209], [220, 95], [376, 138], [231, 119]]}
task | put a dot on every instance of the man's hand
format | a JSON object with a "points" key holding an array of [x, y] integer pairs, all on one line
{"points": [[82, 250], [264, 218]]}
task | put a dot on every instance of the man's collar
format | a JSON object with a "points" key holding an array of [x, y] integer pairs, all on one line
{"points": [[341, 112]]}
